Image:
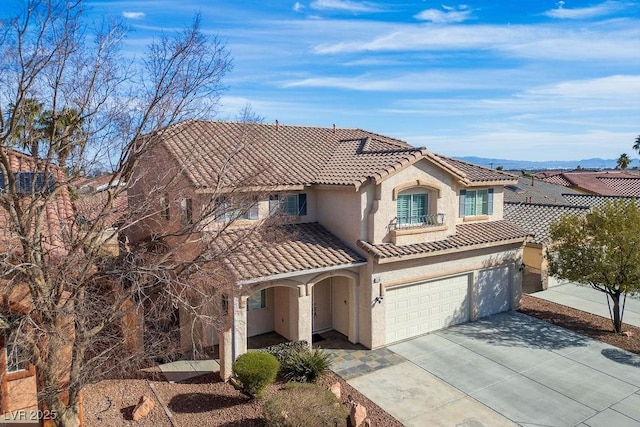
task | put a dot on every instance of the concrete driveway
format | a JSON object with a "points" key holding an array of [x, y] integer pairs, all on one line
{"points": [[507, 369], [587, 299]]}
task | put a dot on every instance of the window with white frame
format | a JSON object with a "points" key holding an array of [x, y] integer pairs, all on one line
{"points": [[229, 210], [412, 208], [291, 204], [186, 211], [476, 202], [164, 206], [257, 300]]}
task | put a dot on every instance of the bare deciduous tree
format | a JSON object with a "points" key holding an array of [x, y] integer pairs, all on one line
{"points": [[77, 307]]}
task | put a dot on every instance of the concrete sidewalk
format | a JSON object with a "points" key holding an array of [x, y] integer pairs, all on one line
{"points": [[587, 299]]}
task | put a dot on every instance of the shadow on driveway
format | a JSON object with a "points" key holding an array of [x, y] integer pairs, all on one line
{"points": [[518, 330]]}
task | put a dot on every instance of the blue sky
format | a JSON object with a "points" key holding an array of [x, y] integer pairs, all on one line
{"points": [[534, 80]]}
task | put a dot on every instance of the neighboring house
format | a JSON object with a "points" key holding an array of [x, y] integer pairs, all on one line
{"points": [[532, 190], [92, 196], [535, 205], [537, 219], [606, 183], [18, 384], [385, 241]]}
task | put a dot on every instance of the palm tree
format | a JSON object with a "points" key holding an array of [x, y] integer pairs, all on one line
{"points": [[64, 132], [623, 161], [27, 131], [636, 145]]}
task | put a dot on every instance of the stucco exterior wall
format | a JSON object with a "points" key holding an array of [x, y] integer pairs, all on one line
{"points": [[342, 213], [432, 268], [23, 393], [430, 179]]}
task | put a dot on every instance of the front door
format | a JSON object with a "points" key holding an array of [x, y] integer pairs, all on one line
{"points": [[321, 306]]}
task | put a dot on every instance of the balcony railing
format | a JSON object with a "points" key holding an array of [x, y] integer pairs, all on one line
{"points": [[422, 221]]}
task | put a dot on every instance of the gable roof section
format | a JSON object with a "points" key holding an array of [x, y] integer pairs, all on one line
{"points": [[292, 249], [540, 192], [594, 200], [474, 174], [608, 183], [252, 154], [468, 236], [537, 218]]}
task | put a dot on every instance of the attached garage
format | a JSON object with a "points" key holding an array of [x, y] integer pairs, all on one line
{"points": [[426, 306], [493, 290]]}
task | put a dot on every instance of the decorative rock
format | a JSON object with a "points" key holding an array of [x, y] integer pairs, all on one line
{"points": [[358, 415], [627, 333], [336, 389], [367, 422], [142, 409]]}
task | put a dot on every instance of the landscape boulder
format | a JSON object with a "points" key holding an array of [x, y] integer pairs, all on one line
{"points": [[336, 389], [358, 415], [142, 409]]}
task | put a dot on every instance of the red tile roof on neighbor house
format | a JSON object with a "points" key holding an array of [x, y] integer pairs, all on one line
{"points": [[607, 183], [253, 154], [255, 255], [58, 212], [468, 236]]}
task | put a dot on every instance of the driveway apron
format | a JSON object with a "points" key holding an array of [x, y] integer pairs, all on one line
{"points": [[504, 370]]}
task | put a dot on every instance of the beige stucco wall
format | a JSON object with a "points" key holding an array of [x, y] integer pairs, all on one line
{"points": [[342, 213], [399, 273], [439, 187], [283, 304], [22, 393]]}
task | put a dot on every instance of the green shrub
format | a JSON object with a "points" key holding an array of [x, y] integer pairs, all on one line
{"points": [[304, 365], [283, 350], [256, 371], [304, 405]]}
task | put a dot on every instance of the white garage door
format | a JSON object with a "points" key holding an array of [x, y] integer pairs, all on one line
{"points": [[493, 291], [424, 307]]}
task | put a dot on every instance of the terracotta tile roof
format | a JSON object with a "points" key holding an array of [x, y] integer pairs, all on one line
{"points": [[265, 154], [623, 186], [467, 236], [607, 183], [594, 200], [88, 207], [537, 218], [58, 213], [475, 173], [292, 248], [540, 192]]}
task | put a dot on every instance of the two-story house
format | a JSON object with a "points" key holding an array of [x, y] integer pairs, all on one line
{"points": [[18, 376], [383, 241]]}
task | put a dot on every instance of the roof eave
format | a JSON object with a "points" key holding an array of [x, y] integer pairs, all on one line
{"points": [[399, 258]]}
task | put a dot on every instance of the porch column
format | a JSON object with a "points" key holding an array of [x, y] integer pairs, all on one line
{"points": [[239, 326], [225, 351], [303, 321]]}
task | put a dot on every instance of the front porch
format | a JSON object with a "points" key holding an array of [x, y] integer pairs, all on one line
{"points": [[322, 312], [348, 360]]}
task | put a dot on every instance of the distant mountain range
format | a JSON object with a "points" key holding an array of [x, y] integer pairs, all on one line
{"points": [[595, 163]]}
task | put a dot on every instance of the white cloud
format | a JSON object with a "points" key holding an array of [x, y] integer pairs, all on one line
{"points": [[297, 6], [133, 15], [448, 16], [602, 9], [616, 87], [344, 5], [614, 40]]}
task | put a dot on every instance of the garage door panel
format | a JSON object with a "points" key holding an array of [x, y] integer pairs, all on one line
{"points": [[424, 307]]}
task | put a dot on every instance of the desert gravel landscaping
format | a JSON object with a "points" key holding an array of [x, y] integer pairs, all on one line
{"points": [[207, 401]]}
